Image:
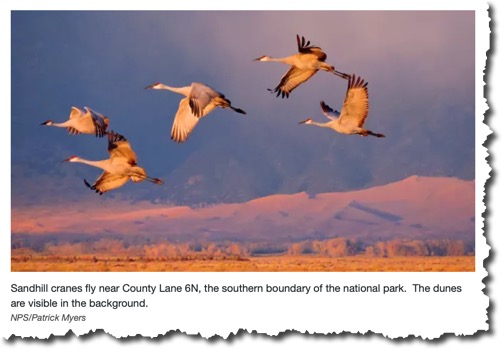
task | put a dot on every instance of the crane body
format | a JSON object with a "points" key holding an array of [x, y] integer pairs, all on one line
{"points": [[199, 101], [353, 114]]}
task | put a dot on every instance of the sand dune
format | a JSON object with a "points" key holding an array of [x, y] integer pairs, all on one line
{"points": [[416, 207]]}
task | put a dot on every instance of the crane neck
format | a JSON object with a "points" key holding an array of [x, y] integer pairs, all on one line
{"points": [[322, 125], [61, 125], [102, 164], [287, 60], [185, 90]]}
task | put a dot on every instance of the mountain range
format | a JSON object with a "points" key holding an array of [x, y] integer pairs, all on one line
{"points": [[416, 207]]}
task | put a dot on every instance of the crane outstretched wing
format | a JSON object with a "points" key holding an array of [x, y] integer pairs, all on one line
{"points": [[107, 182], [200, 97], [99, 120], [72, 131], [329, 112], [356, 104], [118, 146], [293, 78], [185, 121], [304, 47], [76, 113]]}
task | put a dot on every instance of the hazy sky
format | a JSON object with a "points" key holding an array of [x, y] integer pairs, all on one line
{"points": [[420, 67]]}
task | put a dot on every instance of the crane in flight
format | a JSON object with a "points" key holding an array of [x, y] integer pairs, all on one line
{"points": [[304, 64], [199, 101], [88, 122], [118, 168], [353, 113]]}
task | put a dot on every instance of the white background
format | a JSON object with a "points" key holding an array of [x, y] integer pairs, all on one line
{"points": [[245, 341]]}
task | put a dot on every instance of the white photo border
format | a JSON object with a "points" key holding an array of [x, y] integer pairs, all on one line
{"points": [[222, 315]]}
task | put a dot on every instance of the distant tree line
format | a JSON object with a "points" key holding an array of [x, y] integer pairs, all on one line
{"points": [[339, 247], [164, 249]]}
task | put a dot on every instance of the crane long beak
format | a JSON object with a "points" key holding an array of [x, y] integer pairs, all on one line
{"points": [[149, 87], [304, 121]]}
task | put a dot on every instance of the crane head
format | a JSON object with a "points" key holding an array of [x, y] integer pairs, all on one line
{"points": [[71, 159], [155, 85], [307, 121], [47, 122]]}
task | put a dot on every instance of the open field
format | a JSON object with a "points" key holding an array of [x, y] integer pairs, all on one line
{"points": [[251, 264]]}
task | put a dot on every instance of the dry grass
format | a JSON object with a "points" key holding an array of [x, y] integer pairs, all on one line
{"points": [[268, 263]]}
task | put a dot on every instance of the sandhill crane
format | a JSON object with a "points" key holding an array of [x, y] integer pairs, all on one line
{"points": [[305, 63], [199, 100], [118, 169], [353, 114], [88, 122]]}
